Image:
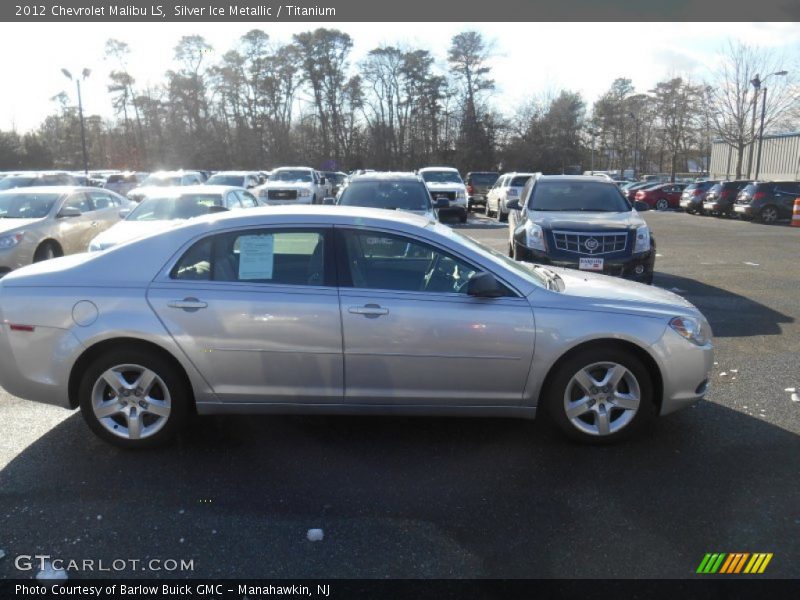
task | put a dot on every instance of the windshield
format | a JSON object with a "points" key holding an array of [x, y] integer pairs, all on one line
{"points": [[237, 180], [26, 206], [568, 196], [524, 269], [7, 183], [402, 195], [162, 180], [520, 181], [182, 207], [291, 175], [441, 177]]}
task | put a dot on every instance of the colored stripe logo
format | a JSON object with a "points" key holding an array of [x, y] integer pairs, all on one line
{"points": [[734, 563]]}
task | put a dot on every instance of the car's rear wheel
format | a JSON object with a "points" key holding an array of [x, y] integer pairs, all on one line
{"points": [[768, 214], [601, 395], [462, 218], [501, 216], [662, 204], [486, 210], [46, 251], [134, 399]]}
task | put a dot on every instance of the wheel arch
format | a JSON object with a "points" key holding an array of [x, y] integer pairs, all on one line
{"points": [[638, 351], [54, 242], [101, 347]]}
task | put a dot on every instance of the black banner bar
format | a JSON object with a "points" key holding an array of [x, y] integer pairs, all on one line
{"points": [[321, 11]]}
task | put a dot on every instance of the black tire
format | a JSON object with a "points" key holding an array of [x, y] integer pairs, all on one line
{"points": [[554, 395], [502, 217], [519, 253], [46, 251], [179, 393], [462, 218]]}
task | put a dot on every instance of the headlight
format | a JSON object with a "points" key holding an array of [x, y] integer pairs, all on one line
{"points": [[691, 329], [534, 236], [642, 240], [303, 193], [9, 241]]}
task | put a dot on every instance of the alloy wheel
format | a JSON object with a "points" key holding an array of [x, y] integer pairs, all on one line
{"points": [[602, 398]]}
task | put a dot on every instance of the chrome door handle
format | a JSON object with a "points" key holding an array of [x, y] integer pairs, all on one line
{"points": [[188, 304], [370, 311]]}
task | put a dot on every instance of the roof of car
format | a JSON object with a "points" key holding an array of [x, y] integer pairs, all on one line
{"points": [[54, 189], [242, 173], [293, 168], [180, 190], [386, 176], [437, 169], [177, 173], [596, 178]]}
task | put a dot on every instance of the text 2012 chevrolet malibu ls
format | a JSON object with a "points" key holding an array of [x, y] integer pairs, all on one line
{"points": [[341, 310]]}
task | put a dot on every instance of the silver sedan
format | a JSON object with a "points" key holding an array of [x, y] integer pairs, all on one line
{"points": [[341, 310]]}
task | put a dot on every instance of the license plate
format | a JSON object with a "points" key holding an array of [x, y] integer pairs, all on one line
{"points": [[740, 209], [590, 264]]}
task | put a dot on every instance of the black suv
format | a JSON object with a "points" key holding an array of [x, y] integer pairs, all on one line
{"points": [[767, 201], [720, 198], [478, 185], [583, 223], [694, 194]]}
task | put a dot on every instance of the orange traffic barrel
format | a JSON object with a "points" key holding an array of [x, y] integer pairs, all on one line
{"points": [[796, 213]]}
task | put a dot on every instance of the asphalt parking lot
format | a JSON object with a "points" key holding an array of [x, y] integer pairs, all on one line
{"points": [[414, 497]]}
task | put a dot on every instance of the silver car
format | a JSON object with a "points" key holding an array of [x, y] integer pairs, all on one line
{"points": [[325, 309], [39, 223]]}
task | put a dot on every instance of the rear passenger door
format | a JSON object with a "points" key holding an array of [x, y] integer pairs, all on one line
{"points": [[257, 311]]}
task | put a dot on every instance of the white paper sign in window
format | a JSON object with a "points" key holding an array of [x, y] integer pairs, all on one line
{"points": [[256, 256]]}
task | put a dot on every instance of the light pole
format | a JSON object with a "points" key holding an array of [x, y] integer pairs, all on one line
{"points": [[592, 132], [756, 81], [84, 74], [635, 145], [763, 113]]}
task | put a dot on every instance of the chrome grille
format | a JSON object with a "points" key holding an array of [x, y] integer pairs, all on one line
{"points": [[590, 243]]}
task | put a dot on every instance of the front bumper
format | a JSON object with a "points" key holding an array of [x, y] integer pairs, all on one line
{"points": [[685, 370], [638, 267]]}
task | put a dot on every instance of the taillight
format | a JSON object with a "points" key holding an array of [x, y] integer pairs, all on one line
{"points": [[697, 192], [639, 195], [469, 189], [759, 195], [724, 193]]}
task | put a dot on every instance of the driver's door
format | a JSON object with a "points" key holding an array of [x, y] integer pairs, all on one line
{"points": [[412, 336]]}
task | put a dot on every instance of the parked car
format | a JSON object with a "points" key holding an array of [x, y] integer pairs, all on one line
{"points": [[445, 184], [582, 223], [167, 208], [243, 179], [293, 185], [694, 195], [506, 188], [36, 179], [122, 183], [767, 201], [393, 191], [661, 196], [720, 198], [251, 312], [40, 223], [631, 191], [478, 185], [333, 181], [162, 179]]}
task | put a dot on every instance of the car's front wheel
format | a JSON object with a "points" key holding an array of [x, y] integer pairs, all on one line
{"points": [[601, 395], [518, 252], [662, 204], [134, 399]]}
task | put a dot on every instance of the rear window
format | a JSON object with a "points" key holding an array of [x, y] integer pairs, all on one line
{"points": [[402, 195], [716, 189], [236, 180], [577, 196], [484, 178], [520, 181]]}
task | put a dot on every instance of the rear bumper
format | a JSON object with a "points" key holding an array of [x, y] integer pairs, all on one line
{"points": [[691, 204], [743, 209]]}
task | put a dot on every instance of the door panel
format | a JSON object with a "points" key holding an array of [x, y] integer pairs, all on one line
{"points": [[256, 313], [406, 346]]}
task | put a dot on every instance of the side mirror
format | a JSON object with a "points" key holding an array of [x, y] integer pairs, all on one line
{"points": [[123, 214], [513, 205], [484, 285], [641, 206], [329, 200], [69, 211], [441, 203]]}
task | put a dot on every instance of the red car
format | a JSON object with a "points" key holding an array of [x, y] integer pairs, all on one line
{"points": [[662, 197]]}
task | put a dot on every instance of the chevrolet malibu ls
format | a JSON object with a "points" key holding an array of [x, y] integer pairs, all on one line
{"points": [[324, 309]]}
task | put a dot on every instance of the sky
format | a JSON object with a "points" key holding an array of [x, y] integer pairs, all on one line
{"points": [[529, 59]]}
